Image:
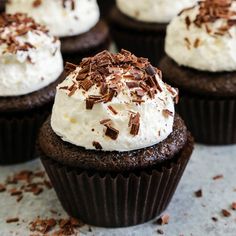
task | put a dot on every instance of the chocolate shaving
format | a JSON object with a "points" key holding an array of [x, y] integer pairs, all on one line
{"points": [[97, 145], [111, 132], [12, 220], [134, 123], [113, 73], [112, 109], [166, 113]]}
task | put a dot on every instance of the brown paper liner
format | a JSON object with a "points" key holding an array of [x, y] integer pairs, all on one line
{"points": [[140, 44], [117, 199], [18, 134], [211, 121]]}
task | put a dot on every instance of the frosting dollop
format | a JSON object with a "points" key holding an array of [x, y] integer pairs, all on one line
{"points": [[113, 102], [62, 17], [156, 11], [204, 37], [30, 57]]}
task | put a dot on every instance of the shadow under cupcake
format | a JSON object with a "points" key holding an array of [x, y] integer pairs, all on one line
{"points": [[114, 149]]}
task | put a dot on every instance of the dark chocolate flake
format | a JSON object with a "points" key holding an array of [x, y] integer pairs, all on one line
{"points": [[112, 132], [97, 145]]}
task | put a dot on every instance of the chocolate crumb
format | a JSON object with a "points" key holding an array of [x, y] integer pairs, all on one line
{"points": [[159, 231], [12, 220], [198, 193], [214, 219], [163, 220], [218, 177], [225, 213]]}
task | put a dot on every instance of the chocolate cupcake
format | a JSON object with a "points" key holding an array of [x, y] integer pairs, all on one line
{"points": [[200, 45], [30, 67], [140, 26], [114, 148], [105, 7], [76, 22]]}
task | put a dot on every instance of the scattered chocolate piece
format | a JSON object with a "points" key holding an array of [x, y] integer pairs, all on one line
{"points": [[12, 220], [167, 113], [97, 145], [218, 177], [37, 3], [163, 220], [112, 132], [225, 213], [2, 188], [233, 206], [214, 219], [198, 193], [134, 123], [159, 231]]}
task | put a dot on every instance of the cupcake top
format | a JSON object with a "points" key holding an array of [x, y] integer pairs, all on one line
{"points": [[204, 37], [113, 102], [30, 57], [62, 17], [153, 11]]}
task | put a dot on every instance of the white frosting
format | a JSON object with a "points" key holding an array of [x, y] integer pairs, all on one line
{"points": [[212, 53], [73, 123], [156, 11], [61, 20], [26, 71]]}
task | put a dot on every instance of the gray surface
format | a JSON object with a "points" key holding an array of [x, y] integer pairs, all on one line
{"points": [[190, 216]]}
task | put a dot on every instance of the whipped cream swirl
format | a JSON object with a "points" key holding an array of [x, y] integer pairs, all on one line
{"points": [[30, 57], [113, 102], [204, 37]]}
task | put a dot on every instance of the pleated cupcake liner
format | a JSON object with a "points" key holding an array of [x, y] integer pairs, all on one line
{"points": [[140, 44], [117, 199], [211, 121], [77, 57], [18, 135]]}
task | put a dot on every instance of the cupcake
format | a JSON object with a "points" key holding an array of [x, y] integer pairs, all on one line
{"points": [[201, 62], [30, 69], [113, 147], [75, 22], [105, 7], [140, 26]]}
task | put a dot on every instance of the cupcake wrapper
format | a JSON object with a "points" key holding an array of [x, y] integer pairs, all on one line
{"points": [[210, 121], [116, 199], [77, 57], [18, 134], [142, 45]]}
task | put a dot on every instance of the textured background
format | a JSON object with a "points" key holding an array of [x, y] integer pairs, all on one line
{"points": [[189, 216]]}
